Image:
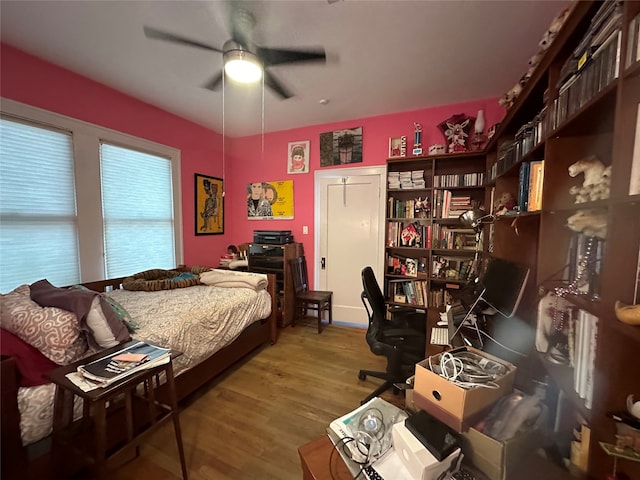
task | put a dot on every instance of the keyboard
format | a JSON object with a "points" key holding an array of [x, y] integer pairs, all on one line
{"points": [[440, 336]]}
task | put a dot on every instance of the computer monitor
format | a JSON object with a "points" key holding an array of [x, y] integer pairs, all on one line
{"points": [[502, 285]]}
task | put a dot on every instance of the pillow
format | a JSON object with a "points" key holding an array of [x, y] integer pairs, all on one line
{"points": [[32, 364], [53, 331], [104, 328], [122, 314]]}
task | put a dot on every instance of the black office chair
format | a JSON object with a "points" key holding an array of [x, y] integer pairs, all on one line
{"points": [[403, 346]]}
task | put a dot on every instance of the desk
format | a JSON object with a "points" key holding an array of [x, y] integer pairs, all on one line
{"points": [[318, 463], [131, 413]]}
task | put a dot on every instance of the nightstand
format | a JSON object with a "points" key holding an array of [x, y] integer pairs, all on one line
{"points": [[115, 418]]}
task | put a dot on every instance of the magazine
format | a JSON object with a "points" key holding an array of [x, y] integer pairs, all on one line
{"points": [[114, 367]]}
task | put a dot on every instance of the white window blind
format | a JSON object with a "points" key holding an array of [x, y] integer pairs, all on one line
{"points": [[137, 203], [38, 221]]}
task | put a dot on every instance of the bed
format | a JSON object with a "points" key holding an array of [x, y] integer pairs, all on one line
{"points": [[213, 325]]}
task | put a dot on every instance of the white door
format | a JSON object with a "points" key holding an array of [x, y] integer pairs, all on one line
{"points": [[350, 209]]}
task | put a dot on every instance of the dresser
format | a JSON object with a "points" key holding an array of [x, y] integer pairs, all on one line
{"points": [[268, 258]]}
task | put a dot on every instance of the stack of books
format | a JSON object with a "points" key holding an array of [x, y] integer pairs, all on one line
{"points": [[125, 362]]}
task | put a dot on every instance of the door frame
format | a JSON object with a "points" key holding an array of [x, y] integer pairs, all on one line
{"points": [[319, 175]]}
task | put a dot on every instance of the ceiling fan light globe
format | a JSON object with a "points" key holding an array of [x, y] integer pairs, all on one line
{"points": [[242, 66]]}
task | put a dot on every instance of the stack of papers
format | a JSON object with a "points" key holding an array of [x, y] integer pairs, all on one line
{"points": [[120, 364]]}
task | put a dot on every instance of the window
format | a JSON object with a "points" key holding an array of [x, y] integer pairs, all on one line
{"points": [[38, 228], [137, 204], [79, 202]]}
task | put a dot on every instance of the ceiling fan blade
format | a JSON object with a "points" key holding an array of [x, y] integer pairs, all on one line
{"points": [[277, 56], [151, 32], [271, 82], [215, 82]]}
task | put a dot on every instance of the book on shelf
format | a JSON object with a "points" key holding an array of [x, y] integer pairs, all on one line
{"points": [[633, 41], [536, 179], [124, 362], [523, 187]]}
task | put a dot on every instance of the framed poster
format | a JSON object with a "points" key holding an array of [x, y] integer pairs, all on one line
{"points": [[270, 200], [298, 158], [341, 147], [209, 205]]}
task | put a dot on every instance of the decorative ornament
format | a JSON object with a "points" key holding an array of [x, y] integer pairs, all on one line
{"points": [[456, 132], [417, 138], [586, 269], [479, 139]]}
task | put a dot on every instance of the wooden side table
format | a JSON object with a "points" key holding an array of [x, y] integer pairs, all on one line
{"points": [[115, 418], [318, 462]]}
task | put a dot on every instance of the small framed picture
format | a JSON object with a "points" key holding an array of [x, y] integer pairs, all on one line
{"points": [[397, 147], [298, 157]]}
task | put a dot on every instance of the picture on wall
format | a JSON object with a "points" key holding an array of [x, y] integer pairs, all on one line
{"points": [[270, 200], [298, 158], [341, 147], [209, 206]]}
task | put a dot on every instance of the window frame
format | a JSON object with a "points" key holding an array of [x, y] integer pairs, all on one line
{"points": [[86, 160]]}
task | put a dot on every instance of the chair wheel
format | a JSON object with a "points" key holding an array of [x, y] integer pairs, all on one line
{"points": [[362, 376]]}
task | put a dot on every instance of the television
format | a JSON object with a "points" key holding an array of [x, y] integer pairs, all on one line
{"points": [[502, 287]]}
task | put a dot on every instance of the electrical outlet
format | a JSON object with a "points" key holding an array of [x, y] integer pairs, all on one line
{"points": [[305, 230]]}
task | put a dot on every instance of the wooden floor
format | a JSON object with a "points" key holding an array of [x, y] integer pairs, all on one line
{"points": [[249, 422]]}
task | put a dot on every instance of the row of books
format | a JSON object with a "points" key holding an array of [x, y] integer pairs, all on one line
{"points": [[453, 268], [412, 208], [447, 205], [125, 362], [475, 179], [633, 43], [582, 340], [406, 180], [452, 238], [410, 234], [530, 184], [413, 292], [440, 297], [599, 71]]}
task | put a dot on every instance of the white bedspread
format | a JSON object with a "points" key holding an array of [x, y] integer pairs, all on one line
{"points": [[231, 279], [197, 321]]}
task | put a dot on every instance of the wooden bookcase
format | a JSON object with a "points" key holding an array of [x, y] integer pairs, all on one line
{"points": [[461, 175], [603, 123]]}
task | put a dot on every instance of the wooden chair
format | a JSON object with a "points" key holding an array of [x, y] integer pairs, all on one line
{"points": [[305, 299]]}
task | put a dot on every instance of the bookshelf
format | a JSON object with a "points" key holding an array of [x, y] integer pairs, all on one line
{"points": [[583, 100], [428, 252]]}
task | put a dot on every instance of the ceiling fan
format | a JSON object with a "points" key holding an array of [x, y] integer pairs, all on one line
{"points": [[242, 51]]}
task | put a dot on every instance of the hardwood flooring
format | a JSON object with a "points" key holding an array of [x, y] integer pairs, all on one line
{"points": [[249, 422]]}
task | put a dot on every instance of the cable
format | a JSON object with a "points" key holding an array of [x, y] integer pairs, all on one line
{"points": [[449, 362]]}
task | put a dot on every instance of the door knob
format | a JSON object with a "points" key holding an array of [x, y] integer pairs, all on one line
{"points": [[323, 263]]}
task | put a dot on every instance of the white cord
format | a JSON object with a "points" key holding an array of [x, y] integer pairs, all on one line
{"points": [[450, 362], [503, 346]]}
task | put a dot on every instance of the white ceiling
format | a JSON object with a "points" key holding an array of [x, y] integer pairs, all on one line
{"points": [[382, 56]]}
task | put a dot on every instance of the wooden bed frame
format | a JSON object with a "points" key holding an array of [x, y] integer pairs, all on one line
{"points": [[16, 459]]}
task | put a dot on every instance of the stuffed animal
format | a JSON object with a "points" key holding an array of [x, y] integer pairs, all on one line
{"points": [[597, 179], [592, 223], [505, 203]]}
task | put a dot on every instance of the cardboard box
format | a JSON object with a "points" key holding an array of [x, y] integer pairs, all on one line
{"points": [[499, 460], [458, 407]]}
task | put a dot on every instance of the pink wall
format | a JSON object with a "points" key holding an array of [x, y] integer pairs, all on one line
{"points": [[246, 166], [29, 80]]}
